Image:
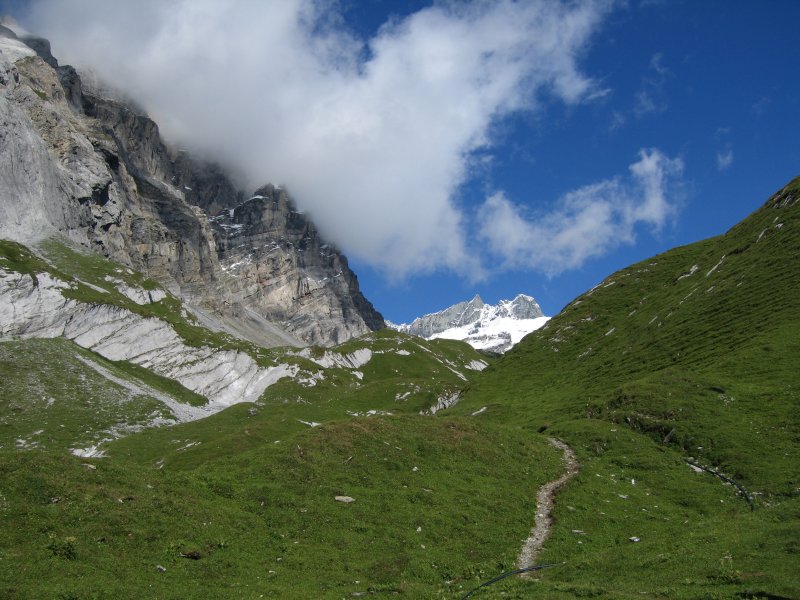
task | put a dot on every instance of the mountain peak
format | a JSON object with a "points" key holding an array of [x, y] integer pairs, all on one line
{"points": [[484, 326]]}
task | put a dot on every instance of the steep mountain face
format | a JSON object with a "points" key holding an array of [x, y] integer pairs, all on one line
{"points": [[76, 162], [275, 262], [495, 328]]}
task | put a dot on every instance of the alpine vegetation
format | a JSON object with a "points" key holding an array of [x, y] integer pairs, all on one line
{"points": [[199, 401]]}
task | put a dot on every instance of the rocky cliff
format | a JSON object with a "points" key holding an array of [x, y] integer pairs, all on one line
{"points": [[79, 162], [275, 261]]}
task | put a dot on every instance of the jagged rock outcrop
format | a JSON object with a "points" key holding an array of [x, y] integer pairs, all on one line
{"points": [[80, 162], [276, 262], [495, 328], [457, 315]]}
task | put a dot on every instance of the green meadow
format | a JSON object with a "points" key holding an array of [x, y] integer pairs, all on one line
{"points": [[670, 380]]}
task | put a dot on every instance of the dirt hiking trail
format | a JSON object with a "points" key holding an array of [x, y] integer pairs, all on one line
{"points": [[544, 506]]}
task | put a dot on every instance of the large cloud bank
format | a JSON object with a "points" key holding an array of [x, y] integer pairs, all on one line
{"points": [[373, 137]]}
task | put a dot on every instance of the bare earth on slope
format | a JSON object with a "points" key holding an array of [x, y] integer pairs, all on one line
{"points": [[544, 506]]}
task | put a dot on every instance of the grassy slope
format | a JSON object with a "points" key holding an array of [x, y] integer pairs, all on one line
{"points": [[652, 367], [433, 499], [53, 400], [440, 503], [250, 490], [392, 383]]}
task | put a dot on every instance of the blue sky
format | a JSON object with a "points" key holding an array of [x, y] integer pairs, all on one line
{"points": [[470, 147], [713, 83]]}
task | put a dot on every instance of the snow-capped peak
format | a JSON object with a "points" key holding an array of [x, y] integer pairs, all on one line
{"points": [[495, 327]]}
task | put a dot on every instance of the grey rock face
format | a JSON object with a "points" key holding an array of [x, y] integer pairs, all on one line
{"points": [[42, 48], [276, 262], [91, 167], [33, 199], [37, 308], [521, 307], [205, 184], [457, 315]]}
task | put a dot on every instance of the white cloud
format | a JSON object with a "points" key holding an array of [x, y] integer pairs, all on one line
{"points": [[725, 158], [587, 222], [373, 137]]}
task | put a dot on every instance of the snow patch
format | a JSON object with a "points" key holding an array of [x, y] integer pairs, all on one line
{"points": [[402, 396], [187, 446], [493, 333], [370, 413], [89, 451]]}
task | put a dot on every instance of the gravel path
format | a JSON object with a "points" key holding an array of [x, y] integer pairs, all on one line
{"points": [[544, 505]]}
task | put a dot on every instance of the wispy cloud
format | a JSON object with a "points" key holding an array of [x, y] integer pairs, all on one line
{"points": [[372, 136], [587, 222], [657, 64], [725, 154], [725, 158]]}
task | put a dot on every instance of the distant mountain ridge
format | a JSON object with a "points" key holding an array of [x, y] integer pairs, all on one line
{"points": [[492, 327]]}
